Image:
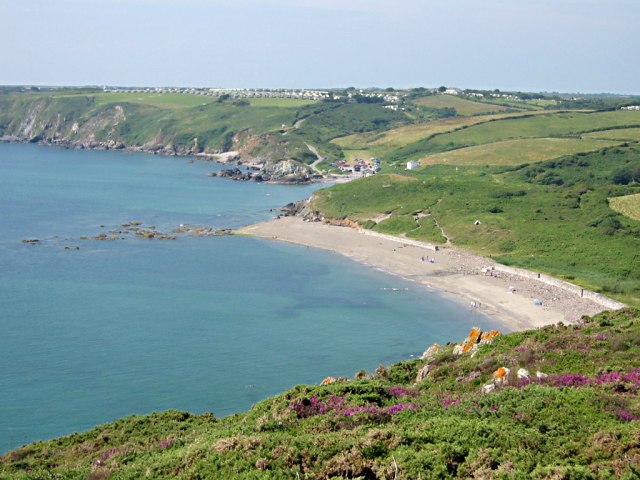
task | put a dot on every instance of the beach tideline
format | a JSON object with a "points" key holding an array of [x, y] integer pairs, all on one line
{"points": [[508, 298]]}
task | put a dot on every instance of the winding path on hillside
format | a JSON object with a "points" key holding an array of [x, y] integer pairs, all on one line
{"points": [[314, 165]]}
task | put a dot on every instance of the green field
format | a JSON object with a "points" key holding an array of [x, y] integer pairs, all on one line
{"points": [[628, 205], [630, 134], [462, 106], [515, 152], [551, 124], [160, 100], [413, 141], [280, 102], [542, 125], [384, 144]]}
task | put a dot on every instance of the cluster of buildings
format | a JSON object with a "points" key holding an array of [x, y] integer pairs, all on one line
{"points": [[507, 96], [631, 107], [392, 98], [233, 92], [458, 91], [365, 168], [388, 97], [272, 93]]}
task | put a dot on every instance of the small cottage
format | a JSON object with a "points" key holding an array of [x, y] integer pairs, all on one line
{"points": [[412, 165]]}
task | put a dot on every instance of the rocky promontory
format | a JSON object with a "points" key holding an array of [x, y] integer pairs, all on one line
{"points": [[283, 171]]}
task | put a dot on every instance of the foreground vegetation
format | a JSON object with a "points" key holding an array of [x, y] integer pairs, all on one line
{"points": [[581, 421]]}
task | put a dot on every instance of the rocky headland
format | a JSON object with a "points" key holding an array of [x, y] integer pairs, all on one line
{"points": [[283, 171], [42, 122]]}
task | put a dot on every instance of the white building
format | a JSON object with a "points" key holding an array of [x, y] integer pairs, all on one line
{"points": [[412, 165]]}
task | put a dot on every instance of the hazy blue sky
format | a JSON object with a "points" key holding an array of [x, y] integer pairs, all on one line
{"points": [[536, 45]]}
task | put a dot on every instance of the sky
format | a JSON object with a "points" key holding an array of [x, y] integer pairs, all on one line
{"points": [[587, 46]]}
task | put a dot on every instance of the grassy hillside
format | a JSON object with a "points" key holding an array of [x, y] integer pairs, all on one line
{"points": [[551, 216], [538, 181], [187, 124], [628, 205], [579, 421], [630, 134], [569, 124], [137, 119], [321, 124], [383, 144], [421, 140], [516, 152], [462, 106]]}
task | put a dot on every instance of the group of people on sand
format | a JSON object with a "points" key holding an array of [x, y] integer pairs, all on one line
{"points": [[428, 259]]}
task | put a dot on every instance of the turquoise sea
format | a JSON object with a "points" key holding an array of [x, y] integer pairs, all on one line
{"points": [[205, 324]]}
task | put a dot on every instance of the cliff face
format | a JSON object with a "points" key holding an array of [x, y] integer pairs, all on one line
{"points": [[80, 123], [89, 121]]}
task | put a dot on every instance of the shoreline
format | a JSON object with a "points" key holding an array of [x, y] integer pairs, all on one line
{"points": [[159, 150], [221, 158], [456, 273]]}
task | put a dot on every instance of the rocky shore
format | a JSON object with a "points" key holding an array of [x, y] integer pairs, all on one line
{"points": [[285, 171], [134, 229]]}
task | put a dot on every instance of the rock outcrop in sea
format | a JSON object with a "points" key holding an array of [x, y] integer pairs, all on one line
{"points": [[283, 171]]}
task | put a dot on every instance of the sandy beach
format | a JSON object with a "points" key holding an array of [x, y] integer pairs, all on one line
{"points": [[455, 272]]}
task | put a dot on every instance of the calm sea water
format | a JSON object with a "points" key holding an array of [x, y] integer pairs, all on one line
{"points": [[200, 324]]}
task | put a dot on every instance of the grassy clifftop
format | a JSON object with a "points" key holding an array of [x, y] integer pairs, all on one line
{"points": [[578, 418]]}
